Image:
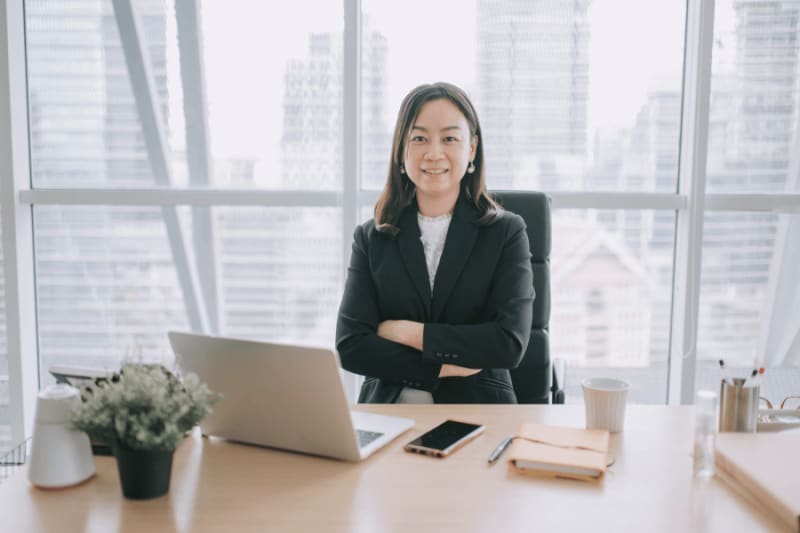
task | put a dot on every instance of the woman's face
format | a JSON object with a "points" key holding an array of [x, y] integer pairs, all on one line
{"points": [[439, 148]]}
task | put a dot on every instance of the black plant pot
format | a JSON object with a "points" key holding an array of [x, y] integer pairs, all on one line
{"points": [[143, 474]]}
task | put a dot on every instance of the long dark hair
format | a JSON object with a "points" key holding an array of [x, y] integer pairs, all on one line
{"points": [[399, 190]]}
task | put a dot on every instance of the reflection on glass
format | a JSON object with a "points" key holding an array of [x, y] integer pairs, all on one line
{"points": [[545, 78], [754, 97], [85, 129], [749, 300], [748, 303], [274, 78], [280, 273], [611, 279], [273, 122], [108, 288]]}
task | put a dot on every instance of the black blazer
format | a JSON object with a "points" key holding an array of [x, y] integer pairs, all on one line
{"points": [[479, 315]]}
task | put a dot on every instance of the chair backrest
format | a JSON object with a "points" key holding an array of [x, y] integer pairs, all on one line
{"points": [[532, 380]]}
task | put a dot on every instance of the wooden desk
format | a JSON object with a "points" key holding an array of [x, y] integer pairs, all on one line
{"points": [[220, 486]]}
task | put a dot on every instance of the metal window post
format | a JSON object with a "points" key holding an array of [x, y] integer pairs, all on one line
{"points": [[158, 153], [691, 183], [198, 153], [17, 223], [351, 140]]}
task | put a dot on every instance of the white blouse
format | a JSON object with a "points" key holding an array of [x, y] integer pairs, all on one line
{"points": [[434, 233]]}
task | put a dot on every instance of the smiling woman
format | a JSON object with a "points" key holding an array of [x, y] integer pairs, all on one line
{"points": [[437, 304], [437, 154], [437, 130]]}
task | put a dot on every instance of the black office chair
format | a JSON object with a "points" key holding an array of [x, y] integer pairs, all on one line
{"points": [[537, 379]]}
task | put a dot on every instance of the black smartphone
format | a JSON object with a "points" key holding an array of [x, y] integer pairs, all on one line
{"points": [[445, 438]]}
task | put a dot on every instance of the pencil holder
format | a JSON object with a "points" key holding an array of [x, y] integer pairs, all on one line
{"points": [[738, 407]]}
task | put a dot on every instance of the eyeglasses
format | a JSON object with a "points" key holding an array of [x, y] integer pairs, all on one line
{"points": [[790, 402]]}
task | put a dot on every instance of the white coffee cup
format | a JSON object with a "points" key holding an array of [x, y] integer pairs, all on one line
{"points": [[605, 400]]}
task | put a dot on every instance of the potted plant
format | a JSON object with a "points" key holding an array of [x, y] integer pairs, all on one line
{"points": [[144, 412]]}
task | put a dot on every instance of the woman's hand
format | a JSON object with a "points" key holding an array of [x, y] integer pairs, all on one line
{"points": [[402, 332], [455, 371], [410, 334]]}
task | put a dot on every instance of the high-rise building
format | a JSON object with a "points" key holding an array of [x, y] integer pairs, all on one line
{"points": [[649, 161], [274, 284], [312, 143], [532, 91]]}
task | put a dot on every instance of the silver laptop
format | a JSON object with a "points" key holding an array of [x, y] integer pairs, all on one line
{"points": [[288, 397]]}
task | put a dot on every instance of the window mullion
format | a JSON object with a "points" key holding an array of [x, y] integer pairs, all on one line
{"points": [[157, 150], [17, 223], [351, 140], [691, 184], [198, 157]]}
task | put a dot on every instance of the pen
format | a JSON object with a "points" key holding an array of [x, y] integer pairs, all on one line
{"points": [[497, 452], [757, 380], [724, 371]]}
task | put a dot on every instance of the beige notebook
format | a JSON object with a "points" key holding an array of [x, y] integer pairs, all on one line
{"points": [[555, 451], [765, 468]]}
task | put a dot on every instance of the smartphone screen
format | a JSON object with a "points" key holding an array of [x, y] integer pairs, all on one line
{"points": [[445, 438]]}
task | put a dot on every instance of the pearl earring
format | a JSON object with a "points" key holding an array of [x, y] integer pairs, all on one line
{"points": [[402, 169], [471, 167]]}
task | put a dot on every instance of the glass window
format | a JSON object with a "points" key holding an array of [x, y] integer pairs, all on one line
{"points": [[755, 93], [280, 273], [750, 300], [566, 104], [546, 78], [273, 123], [611, 280], [108, 288], [274, 79], [84, 125]]}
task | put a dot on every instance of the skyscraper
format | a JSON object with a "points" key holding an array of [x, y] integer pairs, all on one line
{"points": [[533, 78], [312, 143], [275, 285]]}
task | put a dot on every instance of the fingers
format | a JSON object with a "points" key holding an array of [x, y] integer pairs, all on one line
{"points": [[455, 371]]}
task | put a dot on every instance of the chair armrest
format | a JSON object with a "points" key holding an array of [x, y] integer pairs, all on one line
{"points": [[559, 380]]}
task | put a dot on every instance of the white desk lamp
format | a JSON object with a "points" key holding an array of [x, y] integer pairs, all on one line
{"points": [[59, 457]]}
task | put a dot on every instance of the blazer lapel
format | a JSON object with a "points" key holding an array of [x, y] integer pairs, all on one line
{"points": [[461, 238], [413, 255]]}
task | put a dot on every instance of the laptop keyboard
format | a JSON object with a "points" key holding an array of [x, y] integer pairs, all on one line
{"points": [[365, 437]]}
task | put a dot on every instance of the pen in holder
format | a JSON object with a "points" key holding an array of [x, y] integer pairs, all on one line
{"points": [[738, 406]]}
